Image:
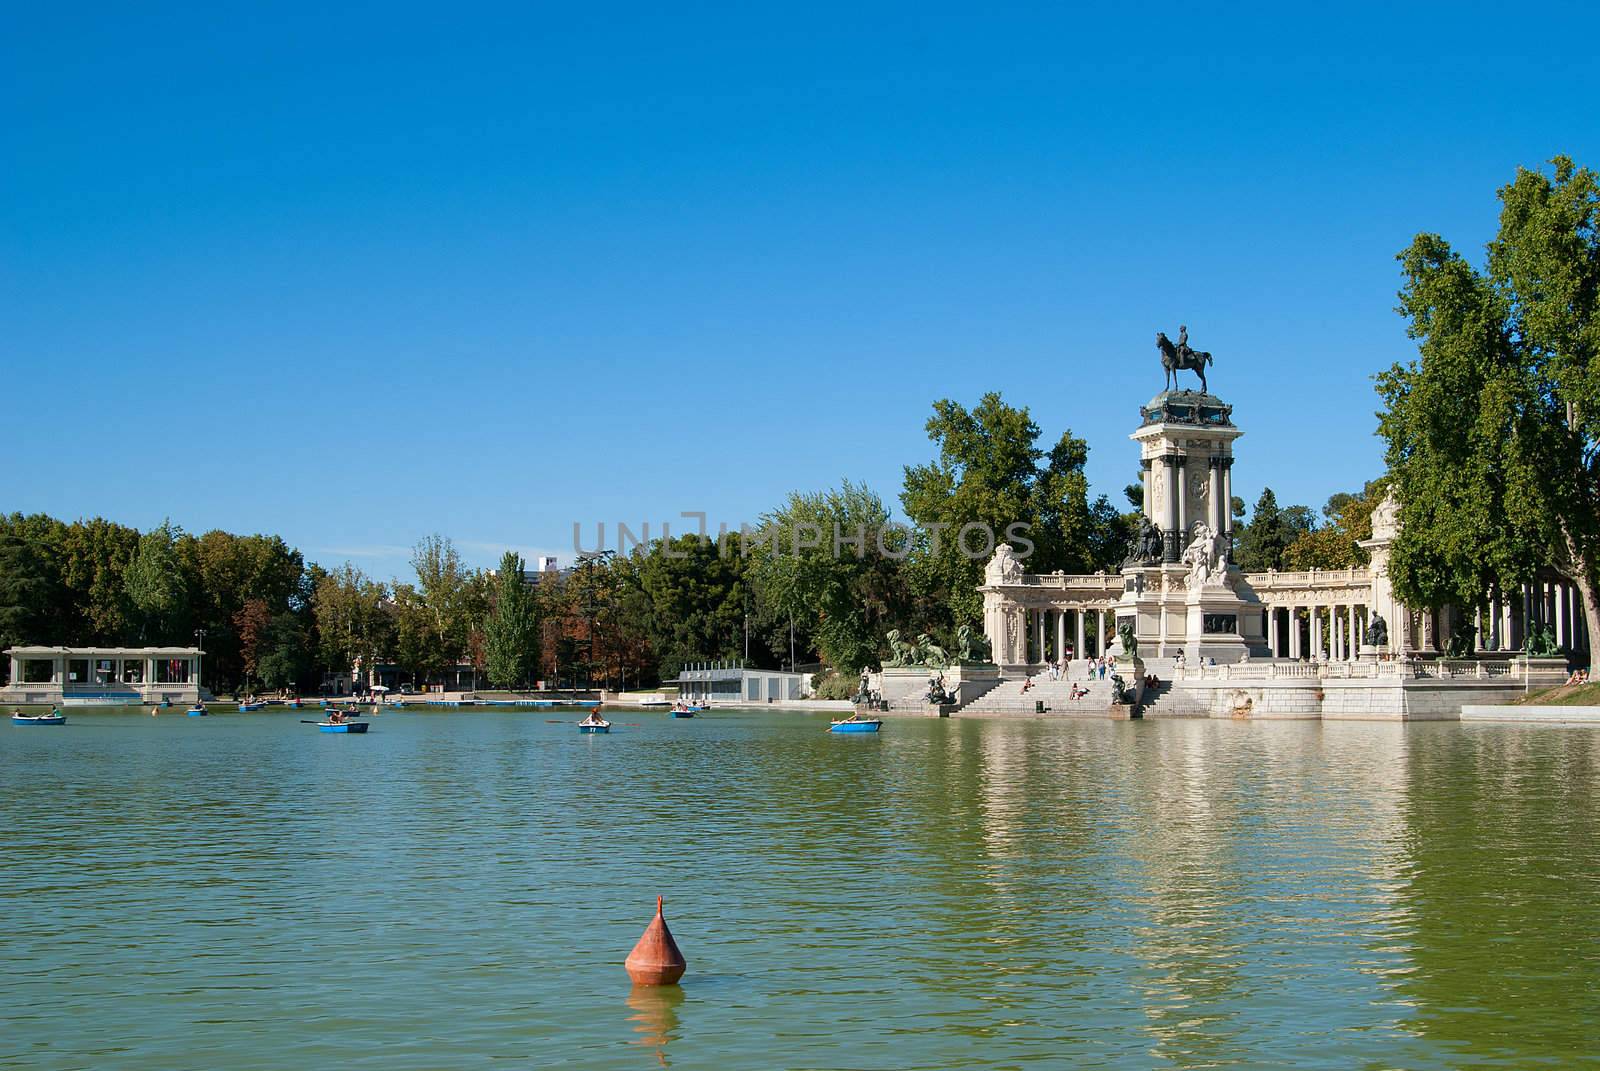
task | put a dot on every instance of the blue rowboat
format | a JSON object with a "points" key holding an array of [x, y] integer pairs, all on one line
{"points": [[856, 725], [342, 726], [245, 708], [38, 719], [683, 713], [196, 712], [594, 727]]}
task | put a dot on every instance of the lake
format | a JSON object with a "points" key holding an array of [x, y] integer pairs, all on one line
{"points": [[459, 890]]}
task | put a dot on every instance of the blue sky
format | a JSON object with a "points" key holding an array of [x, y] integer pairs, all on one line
{"points": [[358, 276]]}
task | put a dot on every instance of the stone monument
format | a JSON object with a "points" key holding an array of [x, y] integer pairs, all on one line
{"points": [[1181, 590]]}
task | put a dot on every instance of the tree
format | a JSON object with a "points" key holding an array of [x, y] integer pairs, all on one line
{"points": [[511, 629], [28, 590], [444, 586], [352, 620], [1262, 541], [1493, 433], [1336, 544], [156, 588], [991, 474], [251, 621], [282, 653], [844, 595]]}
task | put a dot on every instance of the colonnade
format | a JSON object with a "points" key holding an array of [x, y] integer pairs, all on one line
{"points": [[1328, 632], [1052, 634], [1506, 621]]}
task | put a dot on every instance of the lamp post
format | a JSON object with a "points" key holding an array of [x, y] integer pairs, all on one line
{"points": [[200, 645]]}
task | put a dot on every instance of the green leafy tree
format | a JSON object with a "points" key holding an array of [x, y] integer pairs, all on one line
{"points": [[1493, 432], [511, 630], [156, 587], [28, 590], [1336, 544], [991, 473], [283, 652], [1263, 540], [445, 587], [816, 561], [352, 618]]}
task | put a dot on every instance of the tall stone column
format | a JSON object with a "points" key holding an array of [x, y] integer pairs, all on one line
{"points": [[1272, 630], [1558, 599], [1174, 494], [1294, 632], [1038, 630], [1227, 504], [1079, 650], [1316, 632], [1149, 496], [1061, 635], [1182, 488], [1355, 634], [1100, 633]]}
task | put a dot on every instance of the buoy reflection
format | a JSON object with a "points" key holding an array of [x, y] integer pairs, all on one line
{"points": [[655, 1017]]}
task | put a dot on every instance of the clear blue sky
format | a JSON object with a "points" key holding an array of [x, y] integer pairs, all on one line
{"points": [[356, 274]]}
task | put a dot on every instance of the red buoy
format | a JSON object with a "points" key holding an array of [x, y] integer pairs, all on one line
{"points": [[655, 960]]}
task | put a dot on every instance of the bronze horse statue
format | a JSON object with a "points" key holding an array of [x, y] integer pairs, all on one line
{"points": [[1175, 357]]}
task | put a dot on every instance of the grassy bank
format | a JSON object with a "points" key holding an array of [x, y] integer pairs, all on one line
{"points": [[1567, 695]]}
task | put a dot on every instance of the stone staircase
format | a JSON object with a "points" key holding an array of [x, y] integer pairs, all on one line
{"points": [[1170, 701], [1009, 698]]}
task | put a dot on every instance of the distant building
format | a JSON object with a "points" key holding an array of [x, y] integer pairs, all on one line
{"points": [[733, 683], [103, 676], [545, 571]]}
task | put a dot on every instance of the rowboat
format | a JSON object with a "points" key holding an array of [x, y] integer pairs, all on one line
{"points": [[599, 726], [683, 713], [196, 712], [856, 724], [342, 726], [38, 719], [655, 703], [245, 708]]}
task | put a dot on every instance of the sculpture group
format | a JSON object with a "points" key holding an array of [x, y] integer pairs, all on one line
{"points": [[972, 647], [1206, 556]]}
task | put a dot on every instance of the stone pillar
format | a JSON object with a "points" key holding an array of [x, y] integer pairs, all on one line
{"points": [[1061, 636], [1183, 503], [1316, 632], [1294, 633], [1080, 650], [1272, 630], [1038, 631], [1174, 493], [1558, 599], [1100, 633], [1149, 496], [1355, 635], [1227, 504]]}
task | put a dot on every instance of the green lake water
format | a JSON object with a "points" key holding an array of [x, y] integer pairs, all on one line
{"points": [[459, 889]]}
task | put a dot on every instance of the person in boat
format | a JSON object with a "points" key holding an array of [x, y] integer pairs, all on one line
{"points": [[336, 716], [594, 717]]}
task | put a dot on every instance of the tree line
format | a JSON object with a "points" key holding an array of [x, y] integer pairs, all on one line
{"points": [[270, 619]]}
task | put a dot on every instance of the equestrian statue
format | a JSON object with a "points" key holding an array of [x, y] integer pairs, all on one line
{"points": [[1180, 356]]}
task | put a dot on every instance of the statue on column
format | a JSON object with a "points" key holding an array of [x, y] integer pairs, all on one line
{"points": [[1179, 356], [1377, 634]]}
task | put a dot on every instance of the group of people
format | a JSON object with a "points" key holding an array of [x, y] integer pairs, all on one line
{"points": [[1579, 676]]}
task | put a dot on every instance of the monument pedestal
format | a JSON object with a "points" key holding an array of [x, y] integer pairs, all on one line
{"points": [[1182, 591]]}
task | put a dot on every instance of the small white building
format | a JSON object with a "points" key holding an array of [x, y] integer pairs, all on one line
{"points": [[730, 683], [103, 676]]}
